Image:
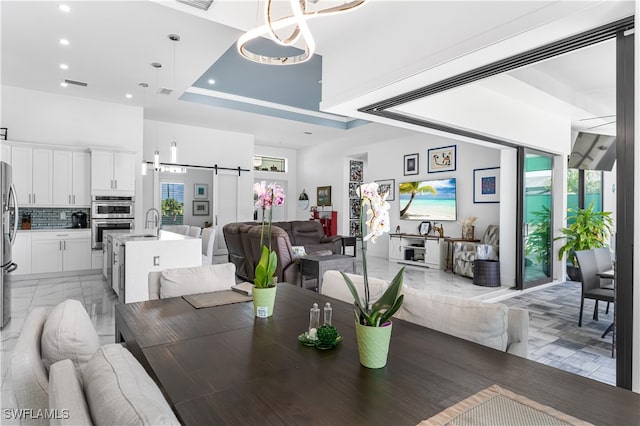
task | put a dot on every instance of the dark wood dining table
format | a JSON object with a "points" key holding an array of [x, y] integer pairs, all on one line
{"points": [[221, 365]]}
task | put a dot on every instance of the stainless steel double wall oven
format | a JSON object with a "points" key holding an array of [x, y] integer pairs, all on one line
{"points": [[110, 213]]}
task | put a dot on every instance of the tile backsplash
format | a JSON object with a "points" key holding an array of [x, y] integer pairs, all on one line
{"points": [[50, 218]]}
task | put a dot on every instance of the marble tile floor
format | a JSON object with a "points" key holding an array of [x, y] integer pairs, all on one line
{"points": [[26, 295], [555, 338]]}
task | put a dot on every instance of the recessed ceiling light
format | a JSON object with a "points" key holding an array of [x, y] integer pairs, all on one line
{"points": [[63, 84], [128, 96], [64, 8], [64, 66], [64, 42], [211, 81]]}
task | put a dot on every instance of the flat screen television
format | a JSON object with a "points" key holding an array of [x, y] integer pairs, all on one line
{"points": [[428, 200]]}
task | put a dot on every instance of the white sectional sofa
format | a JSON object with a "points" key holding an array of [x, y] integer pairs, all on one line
{"points": [[58, 367], [489, 324]]}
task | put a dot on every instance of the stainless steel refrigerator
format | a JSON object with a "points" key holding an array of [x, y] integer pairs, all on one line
{"points": [[9, 214]]}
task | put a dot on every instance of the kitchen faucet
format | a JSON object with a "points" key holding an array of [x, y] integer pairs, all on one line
{"points": [[155, 220]]}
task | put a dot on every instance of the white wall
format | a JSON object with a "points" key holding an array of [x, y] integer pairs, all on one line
{"points": [[200, 146], [325, 165], [33, 116]]}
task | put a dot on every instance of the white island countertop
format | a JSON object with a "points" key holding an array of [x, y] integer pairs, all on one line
{"points": [[137, 236], [145, 252]]}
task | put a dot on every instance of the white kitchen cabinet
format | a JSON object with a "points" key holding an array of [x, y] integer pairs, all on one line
{"points": [[5, 152], [124, 171], [112, 172], [418, 250], [21, 253], [71, 175], [21, 173], [32, 175], [60, 251]]}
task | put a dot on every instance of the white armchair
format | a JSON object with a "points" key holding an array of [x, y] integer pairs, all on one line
{"points": [[465, 252]]}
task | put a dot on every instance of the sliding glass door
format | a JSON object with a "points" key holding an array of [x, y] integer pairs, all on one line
{"points": [[537, 208]]}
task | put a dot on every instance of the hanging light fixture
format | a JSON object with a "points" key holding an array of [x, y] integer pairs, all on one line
{"points": [[156, 159], [143, 167], [174, 147], [300, 16], [156, 153]]}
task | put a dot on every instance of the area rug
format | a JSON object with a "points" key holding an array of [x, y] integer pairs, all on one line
{"points": [[216, 298], [496, 406]]}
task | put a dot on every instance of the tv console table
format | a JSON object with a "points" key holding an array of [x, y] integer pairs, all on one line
{"points": [[428, 251]]}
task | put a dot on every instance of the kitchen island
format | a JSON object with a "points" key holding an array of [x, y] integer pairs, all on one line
{"points": [[136, 254]]}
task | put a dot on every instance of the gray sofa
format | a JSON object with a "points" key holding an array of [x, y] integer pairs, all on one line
{"points": [[244, 251], [489, 324]]}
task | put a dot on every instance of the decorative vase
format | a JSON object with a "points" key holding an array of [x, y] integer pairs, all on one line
{"points": [[468, 232], [373, 344], [263, 301]]}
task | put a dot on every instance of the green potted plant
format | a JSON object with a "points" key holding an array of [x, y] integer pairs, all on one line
{"points": [[264, 291], [373, 319], [538, 242], [588, 229]]}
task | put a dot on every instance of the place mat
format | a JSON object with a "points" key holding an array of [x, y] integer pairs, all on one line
{"points": [[216, 298], [497, 406]]}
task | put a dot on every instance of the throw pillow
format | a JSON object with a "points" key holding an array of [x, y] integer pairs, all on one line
{"points": [[199, 279], [120, 392], [66, 398], [68, 334], [298, 252]]}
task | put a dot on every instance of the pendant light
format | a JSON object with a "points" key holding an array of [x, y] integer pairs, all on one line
{"points": [[156, 153], [174, 147], [144, 86]]}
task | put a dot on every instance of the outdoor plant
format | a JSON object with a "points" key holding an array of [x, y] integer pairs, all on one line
{"points": [[538, 241], [172, 208], [589, 229], [378, 313], [267, 197]]}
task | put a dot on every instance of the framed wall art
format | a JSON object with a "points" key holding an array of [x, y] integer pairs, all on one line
{"points": [[355, 208], [486, 185], [201, 208], [354, 228], [353, 189], [411, 164], [441, 159], [387, 185], [324, 196], [201, 190], [356, 170]]}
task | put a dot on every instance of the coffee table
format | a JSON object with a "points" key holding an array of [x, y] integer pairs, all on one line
{"points": [[315, 267]]}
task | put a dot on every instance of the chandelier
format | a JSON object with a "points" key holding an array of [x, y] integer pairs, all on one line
{"points": [[299, 17]]}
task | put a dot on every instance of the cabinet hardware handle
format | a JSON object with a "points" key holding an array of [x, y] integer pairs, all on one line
{"points": [[29, 198], [69, 199], [116, 182], [65, 245], [34, 198], [60, 243], [74, 198]]}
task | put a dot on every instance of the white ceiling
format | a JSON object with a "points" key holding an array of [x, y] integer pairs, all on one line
{"points": [[114, 42]]}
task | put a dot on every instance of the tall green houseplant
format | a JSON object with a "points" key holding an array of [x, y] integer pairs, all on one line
{"points": [[589, 229]]}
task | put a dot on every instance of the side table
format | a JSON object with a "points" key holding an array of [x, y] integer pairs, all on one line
{"points": [[486, 273], [314, 267], [349, 242]]}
